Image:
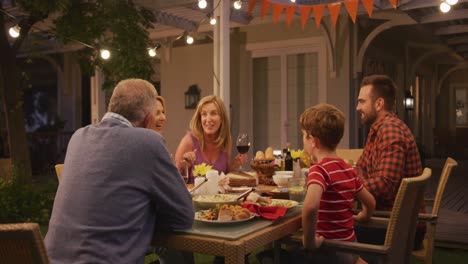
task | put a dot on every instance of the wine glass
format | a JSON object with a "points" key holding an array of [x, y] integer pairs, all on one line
{"points": [[242, 144]]}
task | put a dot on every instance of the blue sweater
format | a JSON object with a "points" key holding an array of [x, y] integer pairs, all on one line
{"points": [[119, 185]]}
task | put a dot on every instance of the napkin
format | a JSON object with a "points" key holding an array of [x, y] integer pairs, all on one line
{"points": [[223, 183], [267, 212]]}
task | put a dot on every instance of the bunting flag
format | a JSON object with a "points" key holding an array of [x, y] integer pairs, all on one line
{"points": [[277, 10], [368, 5], [334, 10], [265, 7], [305, 12], [352, 7], [252, 4], [289, 14], [318, 13]]}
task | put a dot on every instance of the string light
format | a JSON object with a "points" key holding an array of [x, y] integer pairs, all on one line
{"points": [[213, 21], [189, 39], [105, 54], [452, 2], [14, 31], [238, 4], [444, 7], [152, 52], [202, 4]]}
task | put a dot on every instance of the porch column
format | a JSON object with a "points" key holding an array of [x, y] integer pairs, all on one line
{"points": [[221, 49], [98, 97]]}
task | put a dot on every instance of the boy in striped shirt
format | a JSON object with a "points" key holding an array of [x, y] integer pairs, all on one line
{"points": [[332, 186]]}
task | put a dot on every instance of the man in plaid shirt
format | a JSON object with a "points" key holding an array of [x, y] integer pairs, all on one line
{"points": [[390, 154]]}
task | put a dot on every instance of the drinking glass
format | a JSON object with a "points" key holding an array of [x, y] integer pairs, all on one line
{"points": [[243, 143], [297, 189], [185, 171]]}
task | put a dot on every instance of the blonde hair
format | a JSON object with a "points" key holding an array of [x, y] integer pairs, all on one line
{"points": [[162, 101], [133, 99], [324, 122], [223, 139]]}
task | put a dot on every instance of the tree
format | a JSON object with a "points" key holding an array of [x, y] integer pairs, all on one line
{"points": [[120, 26]]}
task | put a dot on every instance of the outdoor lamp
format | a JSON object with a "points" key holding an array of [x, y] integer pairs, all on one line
{"points": [[409, 101], [192, 96]]}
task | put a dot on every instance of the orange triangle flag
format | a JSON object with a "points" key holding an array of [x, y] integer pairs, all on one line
{"points": [[277, 10], [334, 10], [318, 13], [393, 3], [265, 7], [305, 12], [252, 4], [290, 9], [352, 7], [368, 5]]}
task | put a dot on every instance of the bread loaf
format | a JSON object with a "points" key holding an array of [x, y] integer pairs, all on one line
{"points": [[259, 155], [269, 153]]}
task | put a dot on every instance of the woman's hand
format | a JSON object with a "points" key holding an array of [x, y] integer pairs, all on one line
{"points": [[190, 157]]}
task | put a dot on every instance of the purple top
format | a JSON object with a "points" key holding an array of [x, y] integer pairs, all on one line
{"points": [[221, 164]]}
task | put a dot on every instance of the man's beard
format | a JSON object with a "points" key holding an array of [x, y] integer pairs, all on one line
{"points": [[369, 118]]}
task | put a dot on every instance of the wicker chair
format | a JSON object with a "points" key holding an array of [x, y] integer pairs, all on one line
{"points": [[58, 171], [401, 226], [426, 252], [22, 243], [351, 156]]}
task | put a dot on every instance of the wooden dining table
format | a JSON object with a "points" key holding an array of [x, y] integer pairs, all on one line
{"points": [[235, 240]]}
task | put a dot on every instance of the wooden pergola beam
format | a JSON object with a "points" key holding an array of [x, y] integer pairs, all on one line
{"points": [[455, 29], [441, 17]]}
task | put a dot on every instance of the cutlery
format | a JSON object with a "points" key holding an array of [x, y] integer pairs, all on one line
{"points": [[244, 194]]}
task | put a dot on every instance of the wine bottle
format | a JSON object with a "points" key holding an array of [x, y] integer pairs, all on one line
{"points": [[288, 162]]}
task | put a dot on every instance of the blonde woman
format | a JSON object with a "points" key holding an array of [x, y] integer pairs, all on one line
{"points": [[209, 139], [159, 116]]}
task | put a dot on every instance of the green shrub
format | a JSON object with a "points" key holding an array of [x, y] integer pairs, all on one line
{"points": [[23, 202]]}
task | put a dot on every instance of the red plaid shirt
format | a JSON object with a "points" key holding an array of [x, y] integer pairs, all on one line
{"points": [[390, 155]]}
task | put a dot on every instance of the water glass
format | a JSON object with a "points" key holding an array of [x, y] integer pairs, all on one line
{"points": [[297, 189]]}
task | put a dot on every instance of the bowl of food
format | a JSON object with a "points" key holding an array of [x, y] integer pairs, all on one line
{"points": [[281, 178], [203, 202]]}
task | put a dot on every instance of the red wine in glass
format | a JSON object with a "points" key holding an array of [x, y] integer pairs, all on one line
{"points": [[243, 149]]}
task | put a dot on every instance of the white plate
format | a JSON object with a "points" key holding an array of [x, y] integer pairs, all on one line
{"points": [[222, 222], [283, 203]]}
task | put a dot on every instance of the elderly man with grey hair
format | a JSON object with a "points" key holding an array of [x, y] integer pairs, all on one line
{"points": [[119, 185]]}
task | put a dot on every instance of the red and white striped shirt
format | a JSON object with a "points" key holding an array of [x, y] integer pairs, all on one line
{"points": [[339, 183]]}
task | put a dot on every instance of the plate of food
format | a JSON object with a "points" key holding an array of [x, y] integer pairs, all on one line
{"points": [[224, 214], [283, 203], [211, 201]]}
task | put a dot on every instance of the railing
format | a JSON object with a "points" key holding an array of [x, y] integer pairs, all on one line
{"points": [[47, 149]]}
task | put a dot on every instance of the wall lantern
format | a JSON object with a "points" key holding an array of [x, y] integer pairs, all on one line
{"points": [[192, 96], [409, 101]]}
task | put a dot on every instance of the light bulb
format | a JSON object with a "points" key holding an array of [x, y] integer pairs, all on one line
{"points": [[238, 4], [152, 52], [14, 31], [213, 21], [105, 54], [451, 2], [444, 7], [202, 4], [189, 39], [293, 1]]}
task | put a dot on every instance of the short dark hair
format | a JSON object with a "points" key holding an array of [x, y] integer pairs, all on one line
{"points": [[382, 87], [325, 122]]}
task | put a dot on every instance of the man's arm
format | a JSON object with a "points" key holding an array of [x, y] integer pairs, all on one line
{"points": [[389, 164], [171, 197]]}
